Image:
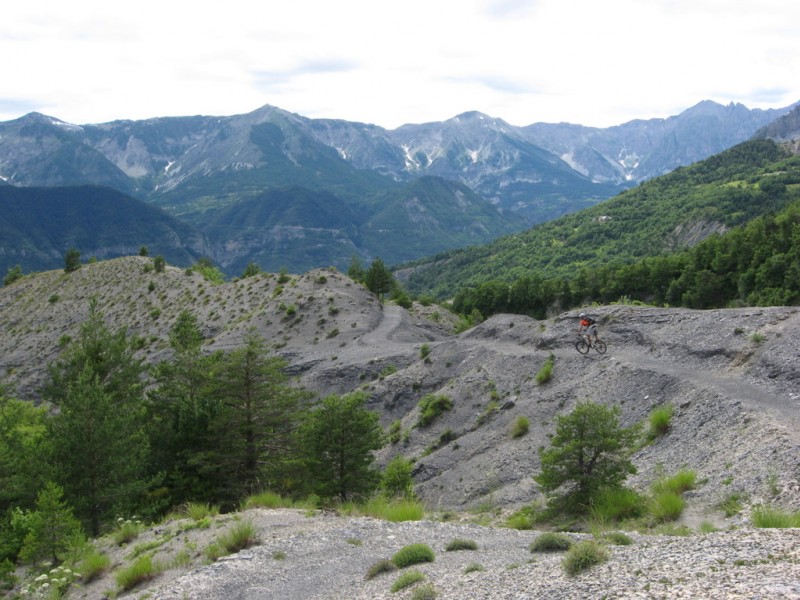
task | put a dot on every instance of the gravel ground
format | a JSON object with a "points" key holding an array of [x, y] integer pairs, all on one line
{"points": [[327, 557]]}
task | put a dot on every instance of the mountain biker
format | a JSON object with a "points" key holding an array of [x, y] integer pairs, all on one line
{"points": [[588, 328]]}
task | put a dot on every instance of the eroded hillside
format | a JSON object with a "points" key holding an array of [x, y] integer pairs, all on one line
{"points": [[731, 375]]}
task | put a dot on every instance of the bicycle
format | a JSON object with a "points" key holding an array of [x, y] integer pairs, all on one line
{"points": [[583, 346]]}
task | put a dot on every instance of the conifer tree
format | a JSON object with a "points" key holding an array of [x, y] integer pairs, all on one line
{"points": [[182, 407], [258, 414], [99, 445], [338, 439], [379, 279], [53, 528], [72, 260]]}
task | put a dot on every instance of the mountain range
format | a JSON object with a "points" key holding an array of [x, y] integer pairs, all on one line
{"points": [[289, 191]]}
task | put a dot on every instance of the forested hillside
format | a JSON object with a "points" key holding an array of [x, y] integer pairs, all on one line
{"points": [[639, 242]]}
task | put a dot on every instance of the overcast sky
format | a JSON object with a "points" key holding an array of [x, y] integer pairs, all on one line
{"points": [[389, 62]]}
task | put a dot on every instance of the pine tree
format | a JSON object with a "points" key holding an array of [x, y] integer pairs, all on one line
{"points": [[258, 414], [379, 279], [338, 439], [99, 445], [182, 407], [72, 260], [53, 528]]}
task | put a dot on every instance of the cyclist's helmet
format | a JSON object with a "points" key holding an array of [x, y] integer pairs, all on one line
{"points": [[582, 315]]}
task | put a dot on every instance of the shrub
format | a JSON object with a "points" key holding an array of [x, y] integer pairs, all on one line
{"points": [[660, 420], [582, 556], [424, 351], [773, 518], [520, 427], [412, 555], [14, 274], [406, 579], [545, 374], [159, 264], [472, 567], [461, 544], [7, 578], [666, 506], [431, 406], [382, 566], [93, 566], [551, 542], [141, 570]]}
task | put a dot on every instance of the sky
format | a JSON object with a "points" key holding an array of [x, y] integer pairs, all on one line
{"points": [[592, 62]]}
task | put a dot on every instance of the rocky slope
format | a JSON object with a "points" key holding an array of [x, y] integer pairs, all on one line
{"points": [[731, 375]]}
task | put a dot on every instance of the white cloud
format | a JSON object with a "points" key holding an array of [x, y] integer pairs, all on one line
{"points": [[582, 61]]}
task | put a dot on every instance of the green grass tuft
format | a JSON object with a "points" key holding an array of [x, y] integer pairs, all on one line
{"points": [[551, 542], [766, 517], [520, 427], [126, 531], [545, 374], [406, 579], [431, 406], [426, 591], [142, 569], [197, 511], [93, 565], [617, 538], [617, 504], [413, 554], [666, 506], [461, 544], [660, 420], [395, 510], [382, 566], [583, 556], [683, 481], [266, 499], [472, 567]]}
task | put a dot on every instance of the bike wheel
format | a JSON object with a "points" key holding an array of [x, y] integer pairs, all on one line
{"points": [[600, 346], [582, 346]]}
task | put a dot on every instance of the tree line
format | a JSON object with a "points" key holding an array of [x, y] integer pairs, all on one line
{"points": [[757, 264], [113, 439]]}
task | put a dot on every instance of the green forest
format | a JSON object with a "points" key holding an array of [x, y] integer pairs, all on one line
{"points": [[640, 246], [114, 439]]}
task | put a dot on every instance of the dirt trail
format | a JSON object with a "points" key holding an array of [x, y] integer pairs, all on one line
{"points": [[728, 383]]}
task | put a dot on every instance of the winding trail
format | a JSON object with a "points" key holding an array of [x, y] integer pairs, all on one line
{"points": [[727, 383]]}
